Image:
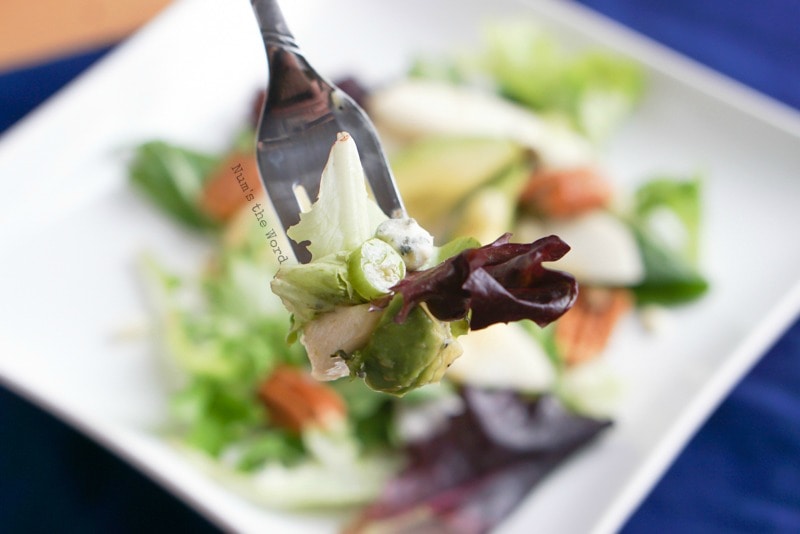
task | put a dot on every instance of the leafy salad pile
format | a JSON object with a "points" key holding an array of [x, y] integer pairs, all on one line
{"points": [[379, 301], [501, 140]]}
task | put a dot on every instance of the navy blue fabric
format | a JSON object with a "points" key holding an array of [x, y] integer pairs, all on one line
{"points": [[55, 480], [738, 474], [23, 89], [741, 472], [755, 42]]}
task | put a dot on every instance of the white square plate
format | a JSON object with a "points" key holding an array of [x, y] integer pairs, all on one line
{"points": [[71, 230]]}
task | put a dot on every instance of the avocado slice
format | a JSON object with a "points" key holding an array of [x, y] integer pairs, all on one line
{"points": [[489, 212], [400, 357], [434, 174]]}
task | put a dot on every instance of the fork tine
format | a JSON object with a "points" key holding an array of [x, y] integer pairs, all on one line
{"points": [[301, 117]]}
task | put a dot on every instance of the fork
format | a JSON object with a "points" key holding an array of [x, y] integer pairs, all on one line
{"points": [[301, 117]]}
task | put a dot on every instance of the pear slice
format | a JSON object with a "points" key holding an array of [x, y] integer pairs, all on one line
{"points": [[346, 328]]}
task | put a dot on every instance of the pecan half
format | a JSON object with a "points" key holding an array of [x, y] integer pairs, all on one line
{"points": [[583, 332], [294, 400], [565, 192], [229, 184]]}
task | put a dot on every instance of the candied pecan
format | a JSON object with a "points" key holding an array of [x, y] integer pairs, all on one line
{"points": [[565, 192], [229, 184], [294, 400], [583, 332]]}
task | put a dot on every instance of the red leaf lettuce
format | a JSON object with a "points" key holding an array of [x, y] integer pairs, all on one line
{"points": [[499, 282], [470, 476]]}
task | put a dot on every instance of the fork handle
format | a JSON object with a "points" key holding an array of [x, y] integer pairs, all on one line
{"points": [[274, 30]]}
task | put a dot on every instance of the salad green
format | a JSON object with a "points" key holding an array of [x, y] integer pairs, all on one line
{"points": [[343, 217], [666, 220], [399, 332], [594, 90], [350, 266], [173, 177], [224, 332]]}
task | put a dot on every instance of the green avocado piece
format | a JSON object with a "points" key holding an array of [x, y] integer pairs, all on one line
{"points": [[489, 212], [400, 357], [434, 174]]}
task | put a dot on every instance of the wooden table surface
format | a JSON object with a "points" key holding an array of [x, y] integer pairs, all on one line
{"points": [[36, 31]]}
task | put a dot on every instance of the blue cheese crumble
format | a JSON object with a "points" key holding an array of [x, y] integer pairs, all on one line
{"points": [[409, 239]]}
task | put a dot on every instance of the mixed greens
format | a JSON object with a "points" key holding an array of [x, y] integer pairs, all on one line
{"points": [[496, 153], [360, 314]]}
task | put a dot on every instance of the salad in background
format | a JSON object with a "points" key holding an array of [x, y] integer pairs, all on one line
{"points": [[507, 138]]}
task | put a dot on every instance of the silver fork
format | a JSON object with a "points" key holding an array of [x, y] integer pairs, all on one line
{"points": [[301, 117]]}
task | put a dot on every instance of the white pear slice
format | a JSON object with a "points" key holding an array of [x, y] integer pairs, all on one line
{"points": [[415, 108], [503, 356], [603, 249], [346, 328]]}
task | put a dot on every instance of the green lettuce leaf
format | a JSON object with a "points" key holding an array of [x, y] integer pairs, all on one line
{"points": [[594, 89], [172, 178], [669, 278], [666, 222], [669, 211], [344, 216], [223, 334], [307, 290]]}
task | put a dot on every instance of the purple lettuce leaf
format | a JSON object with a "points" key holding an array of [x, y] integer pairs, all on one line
{"points": [[499, 282], [471, 475]]}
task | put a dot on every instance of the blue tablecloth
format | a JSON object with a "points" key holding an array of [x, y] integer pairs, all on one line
{"points": [[740, 473]]}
